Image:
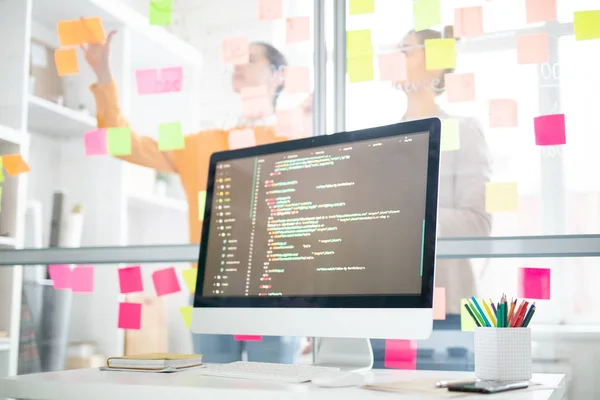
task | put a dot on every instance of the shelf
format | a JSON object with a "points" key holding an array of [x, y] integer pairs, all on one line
{"points": [[156, 203], [11, 135], [6, 241], [48, 118]]}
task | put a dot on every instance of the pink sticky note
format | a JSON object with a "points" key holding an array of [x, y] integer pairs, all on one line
{"points": [[400, 354], [533, 48], [460, 87], [468, 21], [241, 138], [247, 338], [297, 80], [236, 50], [130, 280], [392, 67], [165, 281], [82, 279], [170, 80], [550, 130], [256, 102], [297, 29], [534, 283], [504, 113], [130, 316], [270, 9], [439, 303], [146, 81], [289, 123], [540, 11], [60, 275], [95, 142]]}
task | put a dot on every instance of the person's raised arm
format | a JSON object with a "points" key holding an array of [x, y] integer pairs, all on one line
{"points": [[144, 149]]}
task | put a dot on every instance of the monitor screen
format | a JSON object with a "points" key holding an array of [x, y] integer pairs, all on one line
{"points": [[338, 220]]}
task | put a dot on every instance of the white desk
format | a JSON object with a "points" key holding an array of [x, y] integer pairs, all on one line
{"points": [[92, 384]]}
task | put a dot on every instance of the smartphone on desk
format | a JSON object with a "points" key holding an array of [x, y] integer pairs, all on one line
{"points": [[487, 387]]}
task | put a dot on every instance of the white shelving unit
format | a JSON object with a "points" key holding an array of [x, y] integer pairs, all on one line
{"points": [[50, 137]]}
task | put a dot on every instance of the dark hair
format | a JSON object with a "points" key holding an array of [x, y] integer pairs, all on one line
{"points": [[277, 61], [427, 34]]}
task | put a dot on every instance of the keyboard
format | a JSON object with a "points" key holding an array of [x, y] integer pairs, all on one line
{"points": [[266, 371]]}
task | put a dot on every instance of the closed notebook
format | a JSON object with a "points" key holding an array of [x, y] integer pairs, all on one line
{"points": [[155, 361]]}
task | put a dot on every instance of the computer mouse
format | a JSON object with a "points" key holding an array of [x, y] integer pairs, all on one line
{"points": [[339, 379]]}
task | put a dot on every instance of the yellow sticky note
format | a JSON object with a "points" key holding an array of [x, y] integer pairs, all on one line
{"points": [[362, 7], [360, 69], [186, 313], [358, 43], [586, 25], [1, 171], [201, 204], [427, 13], [501, 197], [450, 135], [440, 54], [189, 276], [467, 324]]}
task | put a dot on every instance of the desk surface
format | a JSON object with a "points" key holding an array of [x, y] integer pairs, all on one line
{"points": [[92, 384]]}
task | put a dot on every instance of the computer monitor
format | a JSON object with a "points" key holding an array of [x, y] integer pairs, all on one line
{"points": [[327, 236]]}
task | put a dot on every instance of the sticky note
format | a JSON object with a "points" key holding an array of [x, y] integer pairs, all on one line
{"points": [[297, 29], [241, 138], [270, 9], [170, 80], [439, 303], [70, 33], [468, 21], [236, 50], [14, 164], [92, 31], [450, 140], [130, 280], [130, 316], [146, 80], [440, 54], [95, 142], [201, 204], [504, 113], [360, 69], [362, 7], [190, 276], [297, 80], [534, 283], [533, 48], [392, 67], [256, 102], [289, 123], [119, 141], [1, 171], [460, 87], [165, 281], [247, 338], [66, 62], [427, 13], [60, 275], [170, 137], [501, 197], [586, 25], [550, 130], [186, 314], [467, 323], [400, 354], [82, 279], [358, 43], [161, 12], [540, 10]]}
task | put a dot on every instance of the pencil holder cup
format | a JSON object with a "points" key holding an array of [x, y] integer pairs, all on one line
{"points": [[503, 354]]}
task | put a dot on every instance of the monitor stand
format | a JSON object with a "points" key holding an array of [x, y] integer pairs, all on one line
{"points": [[348, 354]]}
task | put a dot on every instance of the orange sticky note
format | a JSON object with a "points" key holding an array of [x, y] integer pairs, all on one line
{"points": [[14, 164], [533, 48], [270, 9], [468, 21], [501, 197], [70, 33], [289, 123], [540, 10], [297, 29], [66, 62], [504, 113], [255, 102], [236, 50], [297, 80], [439, 303], [92, 31], [392, 67], [460, 87], [241, 138]]}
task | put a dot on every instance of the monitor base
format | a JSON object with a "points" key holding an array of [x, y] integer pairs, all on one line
{"points": [[348, 354]]}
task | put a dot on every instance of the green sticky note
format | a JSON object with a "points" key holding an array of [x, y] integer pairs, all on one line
{"points": [[170, 137], [586, 25], [161, 12], [440, 54], [467, 324], [201, 204], [450, 135], [186, 314], [358, 43], [1, 171], [360, 69], [190, 276], [427, 13], [119, 141], [362, 7]]}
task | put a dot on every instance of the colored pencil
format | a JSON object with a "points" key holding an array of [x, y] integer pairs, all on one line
{"points": [[490, 313], [528, 319], [499, 315], [505, 313], [494, 308], [512, 310], [516, 314], [527, 315], [476, 313], [487, 323], [521, 315], [472, 315]]}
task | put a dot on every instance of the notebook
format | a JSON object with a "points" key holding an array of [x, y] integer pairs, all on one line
{"points": [[155, 361]]}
